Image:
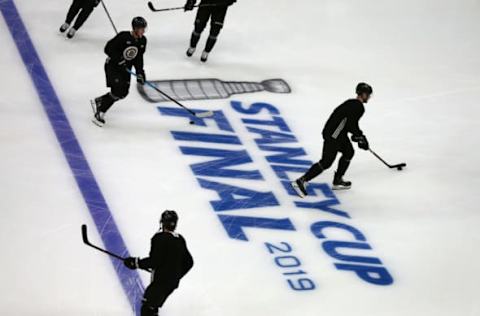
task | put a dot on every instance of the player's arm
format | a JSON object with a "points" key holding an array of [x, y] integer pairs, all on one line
{"points": [[113, 49], [187, 261], [158, 244], [156, 249], [138, 64], [354, 128]]}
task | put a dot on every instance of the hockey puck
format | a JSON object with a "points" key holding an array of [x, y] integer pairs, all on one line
{"points": [[399, 168], [192, 123]]}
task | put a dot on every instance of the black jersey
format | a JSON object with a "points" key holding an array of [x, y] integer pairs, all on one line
{"points": [[218, 2], [169, 258], [126, 50], [344, 119]]}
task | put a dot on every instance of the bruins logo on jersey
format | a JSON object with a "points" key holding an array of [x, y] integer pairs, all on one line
{"points": [[130, 53]]}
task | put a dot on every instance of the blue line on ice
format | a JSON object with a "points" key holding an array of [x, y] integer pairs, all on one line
{"points": [[77, 161]]}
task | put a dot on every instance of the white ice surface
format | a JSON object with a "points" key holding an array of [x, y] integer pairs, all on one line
{"points": [[422, 58]]}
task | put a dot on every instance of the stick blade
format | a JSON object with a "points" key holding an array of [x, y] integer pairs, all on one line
{"points": [[150, 6], [399, 166], [85, 234], [204, 114]]}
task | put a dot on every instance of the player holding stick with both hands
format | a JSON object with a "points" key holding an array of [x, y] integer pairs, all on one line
{"points": [[124, 51], [169, 261], [343, 120]]}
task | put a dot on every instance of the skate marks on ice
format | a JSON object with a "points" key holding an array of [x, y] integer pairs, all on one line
{"points": [[72, 151], [226, 166], [208, 89]]}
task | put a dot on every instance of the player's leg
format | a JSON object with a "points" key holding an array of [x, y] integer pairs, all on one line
{"points": [[87, 9], [154, 298], [117, 92], [347, 151], [119, 83], [75, 7], [329, 153], [201, 20], [148, 309], [106, 101], [217, 20]]}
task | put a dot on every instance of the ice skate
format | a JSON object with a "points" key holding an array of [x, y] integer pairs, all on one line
{"points": [[340, 184], [300, 187]]}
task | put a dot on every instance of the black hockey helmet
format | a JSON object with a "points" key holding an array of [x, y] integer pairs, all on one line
{"points": [[139, 22], [363, 87], [169, 219]]}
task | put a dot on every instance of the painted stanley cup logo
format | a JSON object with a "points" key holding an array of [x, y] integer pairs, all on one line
{"points": [[208, 89]]}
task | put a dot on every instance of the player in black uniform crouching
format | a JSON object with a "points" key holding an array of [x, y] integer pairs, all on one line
{"points": [[213, 10], [124, 51], [343, 120], [80, 9], [169, 262]]}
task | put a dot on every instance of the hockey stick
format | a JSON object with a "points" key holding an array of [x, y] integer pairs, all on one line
{"points": [[87, 242], [109, 17], [151, 7], [199, 115], [399, 166]]}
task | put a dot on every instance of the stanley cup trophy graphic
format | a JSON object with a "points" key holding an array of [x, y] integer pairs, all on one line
{"points": [[208, 89]]}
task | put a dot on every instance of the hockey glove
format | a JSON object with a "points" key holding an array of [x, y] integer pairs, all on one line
{"points": [[131, 263], [364, 145], [141, 78], [189, 5], [362, 141]]}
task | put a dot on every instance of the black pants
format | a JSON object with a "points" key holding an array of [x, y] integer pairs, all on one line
{"points": [[216, 15], [84, 7], [155, 296], [331, 147], [118, 80]]}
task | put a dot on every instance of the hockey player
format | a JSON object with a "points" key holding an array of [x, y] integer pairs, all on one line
{"points": [[343, 120], [213, 10], [82, 8], [125, 50], [169, 261]]}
